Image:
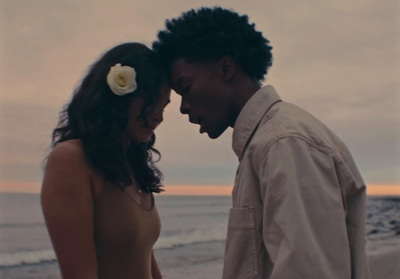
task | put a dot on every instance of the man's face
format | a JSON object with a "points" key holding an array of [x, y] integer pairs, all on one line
{"points": [[206, 98]]}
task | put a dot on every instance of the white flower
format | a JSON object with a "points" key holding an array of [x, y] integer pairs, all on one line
{"points": [[122, 79]]}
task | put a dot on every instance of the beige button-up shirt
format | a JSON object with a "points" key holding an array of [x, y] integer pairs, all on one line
{"points": [[298, 202]]}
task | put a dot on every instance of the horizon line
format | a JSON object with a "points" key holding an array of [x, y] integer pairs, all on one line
{"points": [[190, 189]]}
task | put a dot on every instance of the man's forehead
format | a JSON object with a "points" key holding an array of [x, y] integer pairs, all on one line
{"points": [[178, 66], [179, 69], [182, 68]]}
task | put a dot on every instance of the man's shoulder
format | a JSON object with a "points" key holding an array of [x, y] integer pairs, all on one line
{"points": [[286, 120]]}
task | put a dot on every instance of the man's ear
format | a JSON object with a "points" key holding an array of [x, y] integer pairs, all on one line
{"points": [[227, 67]]}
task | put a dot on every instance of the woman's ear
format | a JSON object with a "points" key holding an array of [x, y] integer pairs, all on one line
{"points": [[228, 67]]}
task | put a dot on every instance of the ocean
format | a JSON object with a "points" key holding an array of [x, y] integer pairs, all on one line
{"points": [[193, 230]]}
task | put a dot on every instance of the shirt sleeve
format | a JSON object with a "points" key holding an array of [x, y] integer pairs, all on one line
{"points": [[304, 218]]}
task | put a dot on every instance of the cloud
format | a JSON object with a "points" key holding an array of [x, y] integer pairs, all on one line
{"points": [[337, 59], [26, 140]]}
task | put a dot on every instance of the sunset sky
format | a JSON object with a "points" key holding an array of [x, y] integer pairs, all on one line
{"points": [[340, 60]]}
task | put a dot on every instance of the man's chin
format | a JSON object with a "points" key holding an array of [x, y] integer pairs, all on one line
{"points": [[214, 134]]}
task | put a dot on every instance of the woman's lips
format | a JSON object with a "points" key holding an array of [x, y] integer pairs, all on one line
{"points": [[151, 129]]}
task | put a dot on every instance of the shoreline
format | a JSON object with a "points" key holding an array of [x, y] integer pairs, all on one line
{"points": [[385, 263], [187, 250], [189, 262]]}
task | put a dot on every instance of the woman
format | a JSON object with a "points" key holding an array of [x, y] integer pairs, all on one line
{"points": [[97, 194]]}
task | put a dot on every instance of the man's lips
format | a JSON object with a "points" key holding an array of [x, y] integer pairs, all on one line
{"points": [[201, 128], [195, 120]]}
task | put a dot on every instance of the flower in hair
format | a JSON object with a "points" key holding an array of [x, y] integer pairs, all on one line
{"points": [[122, 79]]}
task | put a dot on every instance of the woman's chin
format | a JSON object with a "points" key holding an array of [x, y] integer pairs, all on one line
{"points": [[144, 139]]}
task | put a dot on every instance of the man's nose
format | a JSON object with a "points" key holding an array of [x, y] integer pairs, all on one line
{"points": [[185, 107]]}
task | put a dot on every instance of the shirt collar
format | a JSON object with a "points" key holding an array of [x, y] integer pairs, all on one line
{"points": [[250, 116]]}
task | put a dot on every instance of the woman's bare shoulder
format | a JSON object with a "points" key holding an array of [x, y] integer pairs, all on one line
{"points": [[68, 149], [68, 154], [67, 161]]}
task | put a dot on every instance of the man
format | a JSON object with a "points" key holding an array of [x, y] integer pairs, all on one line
{"points": [[298, 200]]}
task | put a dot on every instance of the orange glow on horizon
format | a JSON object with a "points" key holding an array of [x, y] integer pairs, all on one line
{"points": [[197, 190], [169, 190], [383, 190], [19, 187], [189, 190]]}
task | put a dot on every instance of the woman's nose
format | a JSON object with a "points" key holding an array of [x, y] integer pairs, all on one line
{"points": [[158, 115]]}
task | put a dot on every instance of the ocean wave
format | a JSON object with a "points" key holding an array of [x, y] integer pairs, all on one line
{"points": [[196, 236], [383, 219], [19, 258], [21, 225], [26, 257]]}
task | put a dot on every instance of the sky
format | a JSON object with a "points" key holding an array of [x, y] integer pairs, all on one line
{"points": [[340, 60]]}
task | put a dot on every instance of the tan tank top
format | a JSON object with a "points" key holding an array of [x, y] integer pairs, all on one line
{"points": [[125, 233]]}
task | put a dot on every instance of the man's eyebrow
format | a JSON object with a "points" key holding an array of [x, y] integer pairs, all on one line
{"points": [[178, 82]]}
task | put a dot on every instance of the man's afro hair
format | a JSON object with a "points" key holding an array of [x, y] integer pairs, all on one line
{"points": [[210, 33]]}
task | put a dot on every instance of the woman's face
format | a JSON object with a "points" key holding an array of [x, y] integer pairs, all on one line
{"points": [[137, 130]]}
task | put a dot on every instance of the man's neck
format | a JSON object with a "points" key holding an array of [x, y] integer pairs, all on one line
{"points": [[244, 91]]}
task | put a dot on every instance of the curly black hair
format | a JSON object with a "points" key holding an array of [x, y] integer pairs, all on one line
{"points": [[99, 118], [209, 34]]}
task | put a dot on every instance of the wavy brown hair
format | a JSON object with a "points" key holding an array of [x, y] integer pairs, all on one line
{"points": [[99, 118]]}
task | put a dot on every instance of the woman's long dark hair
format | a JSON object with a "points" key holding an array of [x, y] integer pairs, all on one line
{"points": [[99, 118]]}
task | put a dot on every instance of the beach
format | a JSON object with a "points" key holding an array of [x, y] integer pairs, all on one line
{"points": [[383, 264], [191, 244]]}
